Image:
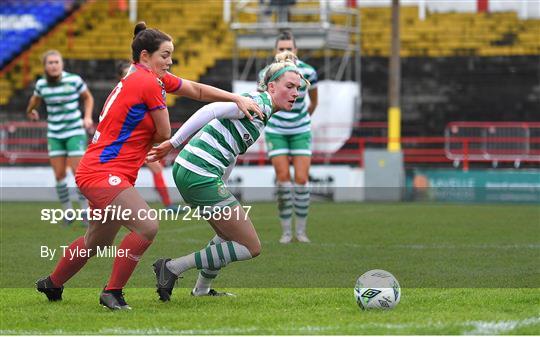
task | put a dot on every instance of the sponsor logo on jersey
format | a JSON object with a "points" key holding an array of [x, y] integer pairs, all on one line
{"points": [[247, 138]]}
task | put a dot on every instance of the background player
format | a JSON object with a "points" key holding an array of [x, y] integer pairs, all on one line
{"points": [[66, 134], [288, 136]]}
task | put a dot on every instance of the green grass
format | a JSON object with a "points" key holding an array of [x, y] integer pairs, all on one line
{"points": [[464, 269]]}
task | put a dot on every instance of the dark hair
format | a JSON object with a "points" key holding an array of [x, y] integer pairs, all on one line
{"points": [[122, 67], [285, 35], [148, 39]]}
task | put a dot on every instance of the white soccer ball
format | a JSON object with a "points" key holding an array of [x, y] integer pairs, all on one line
{"points": [[377, 289]]}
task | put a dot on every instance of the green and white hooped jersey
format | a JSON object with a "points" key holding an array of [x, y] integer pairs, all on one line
{"points": [[215, 147], [62, 101], [297, 120]]}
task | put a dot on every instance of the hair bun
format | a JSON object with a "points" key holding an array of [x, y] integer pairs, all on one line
{"points": [[286, 56], [139, 27]]}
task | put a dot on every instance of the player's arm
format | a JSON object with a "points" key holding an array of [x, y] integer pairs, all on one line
{"points": [[31, 112], [88, 101], [163, 127], [314, 100], [199, 119], [206, 93]]}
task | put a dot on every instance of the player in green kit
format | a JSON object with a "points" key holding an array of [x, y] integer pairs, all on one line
{"points": [[202, 167], [66, 130], [288, 136]]}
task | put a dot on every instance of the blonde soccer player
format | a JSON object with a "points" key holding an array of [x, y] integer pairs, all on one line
{"points": [[288, 139], [202, 167]]}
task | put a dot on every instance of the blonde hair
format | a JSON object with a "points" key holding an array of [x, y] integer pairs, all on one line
{"points": [[49, 53], [286, 59]]}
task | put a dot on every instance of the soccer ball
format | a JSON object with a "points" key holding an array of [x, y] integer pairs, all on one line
{"points": [[377, 289]]}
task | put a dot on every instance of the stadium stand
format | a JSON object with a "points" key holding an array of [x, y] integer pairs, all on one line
{"points": [[452, 63], [202, 37], [24, 21]]}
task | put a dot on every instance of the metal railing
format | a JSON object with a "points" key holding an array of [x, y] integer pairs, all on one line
{"points": [[494, 142], [463, 143]]}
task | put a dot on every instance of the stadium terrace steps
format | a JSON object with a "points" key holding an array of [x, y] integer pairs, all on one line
{"points": [[201, 37], [101, 33]]}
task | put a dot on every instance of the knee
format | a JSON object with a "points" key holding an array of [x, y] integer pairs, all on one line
{"points": [[149, 231], [283, 177], [255, 249], [60, 176], [301, 180]]}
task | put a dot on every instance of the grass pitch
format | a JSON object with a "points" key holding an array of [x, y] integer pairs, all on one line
{"points": [[464, 269]]}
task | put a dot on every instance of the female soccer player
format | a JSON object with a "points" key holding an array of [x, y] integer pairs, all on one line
{"points": [[156, 168], [133, 118], [205, 163], [288, 135], [66, 134]]}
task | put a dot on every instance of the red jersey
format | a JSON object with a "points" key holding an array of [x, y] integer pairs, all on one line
{"points": [[125, 130]]}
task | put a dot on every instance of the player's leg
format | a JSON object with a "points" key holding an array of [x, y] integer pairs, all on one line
{"points": [[301, 196], [278, 151], [301, 154], [76, 146], [203, 286], [236, 239], [242, 243], [98, 234], [159, 183], [133, 246], [57, 158]]}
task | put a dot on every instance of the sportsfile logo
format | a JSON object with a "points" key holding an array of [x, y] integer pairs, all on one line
{"points": [[119, 213]]}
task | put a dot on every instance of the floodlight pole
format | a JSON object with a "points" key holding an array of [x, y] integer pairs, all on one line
{"points": [[133, 11], [394, 85]]}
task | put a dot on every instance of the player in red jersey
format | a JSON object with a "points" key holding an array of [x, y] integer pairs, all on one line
{"points": [[133, 118], [156, 167]]}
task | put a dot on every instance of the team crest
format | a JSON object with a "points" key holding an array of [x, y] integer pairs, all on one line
{"points": [[114, 180], [222, 190]]}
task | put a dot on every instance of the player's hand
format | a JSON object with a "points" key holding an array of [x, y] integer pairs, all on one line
{"points": [[159, 152], [246, 104], [33, 115], [88, 124]]}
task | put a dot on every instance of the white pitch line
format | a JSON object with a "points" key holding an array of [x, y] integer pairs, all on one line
{"points": [[500, 327], [430, 246], [478, 328]]}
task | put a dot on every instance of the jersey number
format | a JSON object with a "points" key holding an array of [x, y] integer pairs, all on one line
{"points": [[110, 100]]}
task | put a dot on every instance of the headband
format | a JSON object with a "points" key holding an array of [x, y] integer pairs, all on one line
{"points": [[281, 72]]}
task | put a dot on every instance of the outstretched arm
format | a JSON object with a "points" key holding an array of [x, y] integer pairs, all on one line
{"points": [[199, 119], [207, 93]]}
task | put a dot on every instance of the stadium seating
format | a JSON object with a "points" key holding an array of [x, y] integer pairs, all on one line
{"points": [[24, 21], [98, 32], [450, 34]]}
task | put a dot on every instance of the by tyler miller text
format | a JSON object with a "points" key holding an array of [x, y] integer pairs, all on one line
{"points": [[65, 251]]}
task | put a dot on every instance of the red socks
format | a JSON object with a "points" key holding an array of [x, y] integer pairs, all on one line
{"points": [[73, 260], [123, 266], [76, 255], [162, 189]]}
